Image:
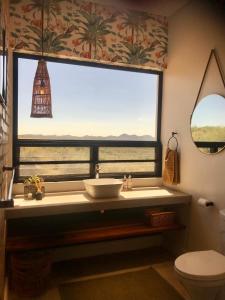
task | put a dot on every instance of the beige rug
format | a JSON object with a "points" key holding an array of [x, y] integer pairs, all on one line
{"points": [[144, 284]]}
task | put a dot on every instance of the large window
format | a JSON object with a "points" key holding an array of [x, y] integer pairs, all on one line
{"points": [[101, 114]]}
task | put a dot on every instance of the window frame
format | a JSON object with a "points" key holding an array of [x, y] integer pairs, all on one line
{"points": [[92, 144]]}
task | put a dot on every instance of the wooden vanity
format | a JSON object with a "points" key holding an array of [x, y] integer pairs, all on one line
{"points": [[68, 219]]}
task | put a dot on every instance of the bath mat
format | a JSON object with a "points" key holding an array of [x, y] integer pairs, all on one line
{"points": [[145, 284]]}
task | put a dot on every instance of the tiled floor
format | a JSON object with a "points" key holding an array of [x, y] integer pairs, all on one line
{"points": [[94, 267], [166, 270]]}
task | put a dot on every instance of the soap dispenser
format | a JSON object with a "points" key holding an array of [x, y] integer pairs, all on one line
{"points": [[129, 183]]}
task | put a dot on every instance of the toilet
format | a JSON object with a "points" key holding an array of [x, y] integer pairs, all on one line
{"points": [[202, 273]]}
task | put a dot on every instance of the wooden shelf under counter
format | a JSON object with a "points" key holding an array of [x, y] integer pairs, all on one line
{"points": [[87, 235]]}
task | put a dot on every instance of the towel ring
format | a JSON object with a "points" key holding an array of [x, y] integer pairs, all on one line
{"points": [[173, 137]]}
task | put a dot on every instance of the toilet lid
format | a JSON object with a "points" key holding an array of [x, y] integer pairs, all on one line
{"points": [[201, 265]]}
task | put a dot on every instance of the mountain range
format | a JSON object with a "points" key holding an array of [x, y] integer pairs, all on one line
{"points": [[122, 137]]}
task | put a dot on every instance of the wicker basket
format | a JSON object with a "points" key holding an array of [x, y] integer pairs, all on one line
{"points": [[159, 218], [30, 273], [166, 218], [148, 214]]}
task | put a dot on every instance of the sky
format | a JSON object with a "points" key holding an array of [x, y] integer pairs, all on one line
{"points": [[90, 101], [210, 111]]}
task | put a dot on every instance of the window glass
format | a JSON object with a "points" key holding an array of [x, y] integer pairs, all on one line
{"points": [[54, 169], [124, 168], [125, 153], [90, 103], [54, 153]]}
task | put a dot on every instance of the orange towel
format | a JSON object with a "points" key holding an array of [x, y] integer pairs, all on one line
{"points": [[171, 173]]}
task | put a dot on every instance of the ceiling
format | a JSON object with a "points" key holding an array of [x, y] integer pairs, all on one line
{"points": [[165, 7], [159, 7]]}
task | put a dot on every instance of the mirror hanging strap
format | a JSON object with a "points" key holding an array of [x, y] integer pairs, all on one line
{"points": [[212, 53]]}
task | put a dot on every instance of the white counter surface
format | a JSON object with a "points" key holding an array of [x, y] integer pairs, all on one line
{"points": [[80, 201]]}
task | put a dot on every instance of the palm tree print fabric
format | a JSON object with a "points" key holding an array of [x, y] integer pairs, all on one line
{"points": [[90, 31]]}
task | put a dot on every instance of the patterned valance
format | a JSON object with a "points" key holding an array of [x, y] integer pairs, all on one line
{"points": [[86, 30]]}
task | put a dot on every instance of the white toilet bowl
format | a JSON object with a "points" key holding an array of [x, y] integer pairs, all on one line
{"points": [[202, 273]]}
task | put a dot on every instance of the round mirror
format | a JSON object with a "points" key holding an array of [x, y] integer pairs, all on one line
{"points": [[208, 124]]}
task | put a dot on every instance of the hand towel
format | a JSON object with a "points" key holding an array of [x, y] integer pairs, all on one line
{"points": [[171, 173]]}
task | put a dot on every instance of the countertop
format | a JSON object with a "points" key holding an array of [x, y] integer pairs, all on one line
{"points": [[80, 201]]}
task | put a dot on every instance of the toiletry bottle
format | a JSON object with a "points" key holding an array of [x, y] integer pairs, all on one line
{"points": [[129, 183], [124, 183]]}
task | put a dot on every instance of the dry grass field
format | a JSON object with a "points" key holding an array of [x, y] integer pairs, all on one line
{"points": [[83, 154]]}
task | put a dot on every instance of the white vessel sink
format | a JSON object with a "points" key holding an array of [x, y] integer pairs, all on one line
{"points": [[103, 187]]}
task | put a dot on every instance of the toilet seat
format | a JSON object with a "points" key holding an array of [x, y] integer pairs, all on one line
{"points": [[201, 265]]}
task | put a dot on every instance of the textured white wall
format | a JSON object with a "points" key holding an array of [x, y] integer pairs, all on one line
{"points": [[193, 32]]}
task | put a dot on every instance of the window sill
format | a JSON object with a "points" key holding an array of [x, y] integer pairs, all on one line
{"points": [[68, 186]]}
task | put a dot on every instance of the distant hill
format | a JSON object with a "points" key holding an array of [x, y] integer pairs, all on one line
{"points": [[122, 137]]}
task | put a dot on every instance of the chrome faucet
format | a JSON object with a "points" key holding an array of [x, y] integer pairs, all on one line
{"points": [[97, 170]]}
